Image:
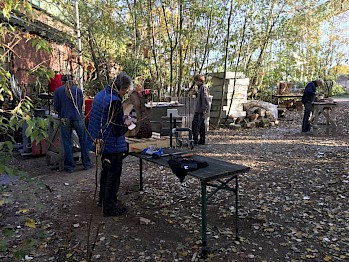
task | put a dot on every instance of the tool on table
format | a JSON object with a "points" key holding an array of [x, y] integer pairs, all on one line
{"points": [[189, 155], [181, 154]]}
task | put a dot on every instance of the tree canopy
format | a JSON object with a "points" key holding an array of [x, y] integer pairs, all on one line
{"points": [[169, 41]]}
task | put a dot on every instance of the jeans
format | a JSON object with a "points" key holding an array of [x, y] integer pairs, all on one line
{"points": [[110, 180], [66, 133], [199, 128], [307, 111]]}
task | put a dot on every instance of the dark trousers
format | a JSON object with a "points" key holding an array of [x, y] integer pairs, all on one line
{"points": [[199, 128], [110, 180], [307, 111]]}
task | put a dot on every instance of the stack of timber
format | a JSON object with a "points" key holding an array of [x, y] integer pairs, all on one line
{"points": [[234, 92], [139, 144]]}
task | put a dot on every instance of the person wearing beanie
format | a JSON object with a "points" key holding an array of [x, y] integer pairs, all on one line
{"points": [[107, 128], [308, 98]]}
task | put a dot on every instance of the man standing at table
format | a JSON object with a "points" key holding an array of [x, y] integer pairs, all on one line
{"points": [[107, 129], [308, 98], [201, 111], [68, 101]]}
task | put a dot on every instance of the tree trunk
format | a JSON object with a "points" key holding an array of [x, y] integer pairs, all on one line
{"points": [[207, 40], [173, 43], [180, 76], [237, 64], [225, 63]]}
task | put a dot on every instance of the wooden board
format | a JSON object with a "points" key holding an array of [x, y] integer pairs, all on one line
{"points": [[137, 144]]}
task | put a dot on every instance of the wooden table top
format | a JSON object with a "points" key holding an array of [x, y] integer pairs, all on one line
{"points": [[289, 95], [325, 103]]}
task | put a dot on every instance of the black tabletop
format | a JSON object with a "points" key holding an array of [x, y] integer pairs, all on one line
{"points": [[45, 96], [216, 169]]}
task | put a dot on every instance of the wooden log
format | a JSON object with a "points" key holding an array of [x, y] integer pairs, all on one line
{"points": [[250, 124], [264, 123]]}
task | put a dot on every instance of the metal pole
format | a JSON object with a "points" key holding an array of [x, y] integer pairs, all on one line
{"points": [[78, 36], [140, 174], [203, 219], [236, 208], [171, 130]]}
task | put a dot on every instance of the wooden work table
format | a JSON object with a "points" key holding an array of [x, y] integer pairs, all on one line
{"points": [[291, 95], [328, 111]]}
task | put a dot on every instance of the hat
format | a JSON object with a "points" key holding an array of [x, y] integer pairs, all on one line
{"points": [[66, 78]]}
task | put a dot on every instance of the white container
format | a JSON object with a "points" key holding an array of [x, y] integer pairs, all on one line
{"points": [[174, 112]]}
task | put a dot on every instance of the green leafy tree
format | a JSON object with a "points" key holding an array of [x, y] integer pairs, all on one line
{"points": [[16, 105]]}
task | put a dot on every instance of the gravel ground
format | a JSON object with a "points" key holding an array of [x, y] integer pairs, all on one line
{"points": [[293, 204]]}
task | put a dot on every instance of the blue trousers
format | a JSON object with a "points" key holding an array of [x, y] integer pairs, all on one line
{"points": [[66, 133]]}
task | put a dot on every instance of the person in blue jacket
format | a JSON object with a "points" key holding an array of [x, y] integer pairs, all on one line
{"points": [[107, 128], [308, 98], [68, 101]]}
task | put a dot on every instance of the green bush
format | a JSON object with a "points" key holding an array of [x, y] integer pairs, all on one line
{"points": [[339, 90]]}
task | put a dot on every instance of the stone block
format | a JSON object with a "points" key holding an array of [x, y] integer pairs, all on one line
{"points": [[144, 221]]}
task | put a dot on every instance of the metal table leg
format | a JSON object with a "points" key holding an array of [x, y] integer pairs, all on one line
{"points": [[203, 218], [140, 174], [236, 208], [224, 185]]}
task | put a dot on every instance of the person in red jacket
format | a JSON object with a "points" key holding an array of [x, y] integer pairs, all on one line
{"points": [[55, 82]]}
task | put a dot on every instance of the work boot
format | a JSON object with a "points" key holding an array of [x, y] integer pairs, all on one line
{"points": [[201, 142], [309, 133], [116, 211]]}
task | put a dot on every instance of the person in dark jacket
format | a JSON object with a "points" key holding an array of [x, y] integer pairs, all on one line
{"points": [[308, 98], [201, 111], [107, 128], [68, 101]]}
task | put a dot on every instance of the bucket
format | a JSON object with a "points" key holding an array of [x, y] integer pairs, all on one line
{"points": [[40, 112]]}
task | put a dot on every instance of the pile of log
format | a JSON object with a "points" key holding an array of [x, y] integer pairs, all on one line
{"points": [[258, 114]]}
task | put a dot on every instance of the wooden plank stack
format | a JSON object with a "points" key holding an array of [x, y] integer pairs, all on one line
{"points": [[138, 144], [237, 95]]}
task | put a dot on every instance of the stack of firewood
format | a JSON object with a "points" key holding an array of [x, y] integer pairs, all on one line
{"points": [[258, 114]]}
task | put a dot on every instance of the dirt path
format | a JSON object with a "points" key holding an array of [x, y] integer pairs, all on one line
{"points": [[293, 204]]}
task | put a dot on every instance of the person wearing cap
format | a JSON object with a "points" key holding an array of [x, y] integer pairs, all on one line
{"points": [[201, 111], [308, 98], [67, 102], [107, 128]]}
